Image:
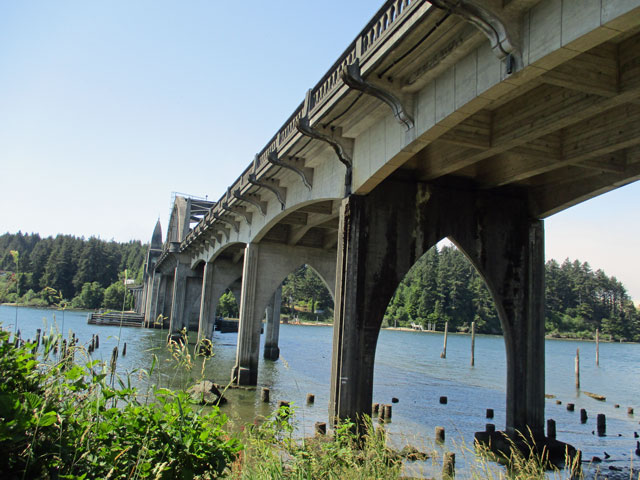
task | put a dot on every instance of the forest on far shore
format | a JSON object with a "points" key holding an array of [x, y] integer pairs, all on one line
{"points": [[68, 271], [441, 287]]}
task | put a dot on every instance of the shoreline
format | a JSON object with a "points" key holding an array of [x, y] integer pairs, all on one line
{"points": [[330, 324], [409, 329]]}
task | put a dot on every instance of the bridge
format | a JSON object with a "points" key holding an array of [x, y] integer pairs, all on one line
{"points": [[467, 119]]}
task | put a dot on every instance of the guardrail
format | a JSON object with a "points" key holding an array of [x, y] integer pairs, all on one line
{"points": [[371, 36]]}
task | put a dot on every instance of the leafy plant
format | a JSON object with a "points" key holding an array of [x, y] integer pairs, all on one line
{"points": [[63, 420]]}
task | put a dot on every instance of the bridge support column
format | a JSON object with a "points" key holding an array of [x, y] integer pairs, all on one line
{"points": [[178, 299], [217, 277], [245, 371], [163, 300], [382, 235], [207, 306], [354, 335], [151, 299], [271, 349]]}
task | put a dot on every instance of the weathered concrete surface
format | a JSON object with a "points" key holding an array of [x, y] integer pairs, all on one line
{"points": [[266, 265], [380, 241]]}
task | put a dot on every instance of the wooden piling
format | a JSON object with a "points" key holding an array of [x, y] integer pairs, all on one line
{"points": [[124, 349], [310, 398], [97, 342], [264, 395], [602, 424], [629, 410], [38, 332], [443, 400], [597, 346], [444, 350], [551, 428], [440, 436], [489, 412], [490, 428], [473, 343], [320, 428], [114, 358], [577, 369], [376, 408], [449, 466], [571, 407], [387, 412], [583, 415]]}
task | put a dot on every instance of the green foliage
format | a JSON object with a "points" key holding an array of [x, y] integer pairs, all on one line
{"points": [[114, 296], [444, 286], [90, 297], [62, 420], [271, 452], [227, 306], [305, 288], [65, 263]]}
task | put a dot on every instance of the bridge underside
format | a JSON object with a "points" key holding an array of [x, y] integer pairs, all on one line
{"points": [[475, 149]]}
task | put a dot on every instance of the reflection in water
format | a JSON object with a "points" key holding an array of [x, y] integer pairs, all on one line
{"points": [[408, 366]]}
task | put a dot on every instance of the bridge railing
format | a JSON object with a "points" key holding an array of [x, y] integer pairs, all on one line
{"points": [[360, 49]]}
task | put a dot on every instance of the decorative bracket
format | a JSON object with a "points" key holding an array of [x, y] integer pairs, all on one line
{"points": [[225, 232], [498, 33], [306, 174], [220, 218], [351, 76], [249, 198], [238, 210], [272, 186], [303, 125]]}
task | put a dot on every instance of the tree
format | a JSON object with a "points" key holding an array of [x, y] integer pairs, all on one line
{"points": [[227, 305], [114, 296], [91, 296]]}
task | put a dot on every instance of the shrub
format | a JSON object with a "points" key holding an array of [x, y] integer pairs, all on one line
{"points": [[64, 420]]}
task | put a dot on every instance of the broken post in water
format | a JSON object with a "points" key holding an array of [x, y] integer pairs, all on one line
{"points": [[577, 369], [473, 343], [597, 346]]}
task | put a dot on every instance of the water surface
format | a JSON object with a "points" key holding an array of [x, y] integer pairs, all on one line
{"points": [[408, 367]]}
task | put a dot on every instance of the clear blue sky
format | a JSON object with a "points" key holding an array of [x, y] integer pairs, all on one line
{"points": [[108, 107]]}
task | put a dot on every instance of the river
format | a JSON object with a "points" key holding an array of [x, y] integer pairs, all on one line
{"points": [[408, 367]]}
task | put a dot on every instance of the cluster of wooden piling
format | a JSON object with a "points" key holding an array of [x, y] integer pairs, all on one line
{"points": [[94, 344], [265, 394]]}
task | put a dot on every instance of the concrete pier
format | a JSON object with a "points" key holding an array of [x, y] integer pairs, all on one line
{"points": [[502, 241], [271, 349]]}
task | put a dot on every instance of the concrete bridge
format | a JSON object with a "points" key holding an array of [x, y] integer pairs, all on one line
{"points": [[467, 119]]}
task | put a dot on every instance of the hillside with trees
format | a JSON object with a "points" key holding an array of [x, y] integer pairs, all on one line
{"points": [[67, 270], [443, 286]]}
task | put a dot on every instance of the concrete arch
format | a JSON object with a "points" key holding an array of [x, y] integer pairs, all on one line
{"points": [[266, 228], [266, 265], [217, 277], [319, 209]]}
